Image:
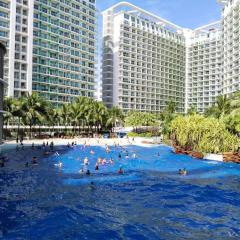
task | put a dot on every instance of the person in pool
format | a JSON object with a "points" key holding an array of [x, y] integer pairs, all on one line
{"points": [[120, 171], [104, 161], [119, 155], [86, 161], [99, 160], [1, 163], [88, 172], [107, 149], [182, 172], [46, 153], [96, 167], [111, 161], [34, 160]]}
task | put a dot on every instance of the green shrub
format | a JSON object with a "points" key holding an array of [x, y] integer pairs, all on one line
{"points": [[206, 135]]}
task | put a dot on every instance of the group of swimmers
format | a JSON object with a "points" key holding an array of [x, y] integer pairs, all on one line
{"points": [[100, 161]]}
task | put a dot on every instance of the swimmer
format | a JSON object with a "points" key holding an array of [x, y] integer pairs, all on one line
{"points": [[104, 161], [34, 160], [46, 153], [92, 152], [119, 155], [134, 155], [88, 172], [58, 164], [26, 164], [120, 171], [107, 150], [68, 145], [96, 167], [158, 154], [182, 172], [86, 161], [33, 145], [81, 171], [111, 161], [44, 144], [56, 154], [100, 160], [1, 163], [51, 145]]}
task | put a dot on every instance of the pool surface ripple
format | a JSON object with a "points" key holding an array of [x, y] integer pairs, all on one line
{"points": [[149, 201]]}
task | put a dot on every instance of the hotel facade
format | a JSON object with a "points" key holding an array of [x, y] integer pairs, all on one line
{"points": [[51, 48], [148, 61]]}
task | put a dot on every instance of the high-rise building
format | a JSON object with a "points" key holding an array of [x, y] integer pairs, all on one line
{"points": [[143, 60], [51, 47], [64, 49], [231, 46], [16, 18], [148, 61], [204, 66]]}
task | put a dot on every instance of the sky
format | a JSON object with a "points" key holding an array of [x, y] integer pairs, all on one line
{"points": [[184, 13]]}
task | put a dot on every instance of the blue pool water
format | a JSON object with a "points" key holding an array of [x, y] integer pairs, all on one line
{"points": [[149, 201]]}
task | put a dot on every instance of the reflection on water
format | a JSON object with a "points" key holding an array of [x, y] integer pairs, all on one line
{"points": [[150, 201]]}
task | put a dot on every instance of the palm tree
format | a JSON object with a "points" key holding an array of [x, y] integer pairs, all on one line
{"points": [[8, 105], [223, 105], [221, 108], [171, 107], [74, 115], [235, 103], [53, 117], [18, 112], [115, 115], [192, 110], [65, 115], [35, 109], [100, 113]]}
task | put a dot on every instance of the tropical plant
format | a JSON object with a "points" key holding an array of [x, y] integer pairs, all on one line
{"points": [[35, 109], [207, 135], [115, 116]]}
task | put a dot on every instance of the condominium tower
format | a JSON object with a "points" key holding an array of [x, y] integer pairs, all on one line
{"points": [[203, 66], [231, 46], [149, 61], [16, 20], [51, 47], [143, 60]]}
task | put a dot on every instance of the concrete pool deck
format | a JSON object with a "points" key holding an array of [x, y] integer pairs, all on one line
{"points": [[143, 142]]}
